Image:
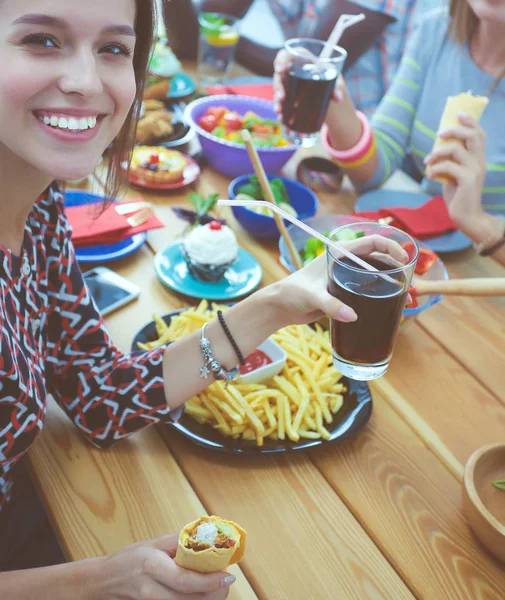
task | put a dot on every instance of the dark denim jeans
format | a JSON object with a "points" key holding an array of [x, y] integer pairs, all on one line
{"points": [[27, 539]]}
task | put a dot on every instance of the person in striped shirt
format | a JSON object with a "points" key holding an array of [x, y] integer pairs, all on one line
{"points": [[374, 46], [452, 52]]}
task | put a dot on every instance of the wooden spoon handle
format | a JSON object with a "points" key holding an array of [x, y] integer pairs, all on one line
{"points": [[267, 192], [481, 286]]}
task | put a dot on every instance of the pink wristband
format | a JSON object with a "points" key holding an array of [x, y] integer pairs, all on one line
{"points": [[357, 151]]}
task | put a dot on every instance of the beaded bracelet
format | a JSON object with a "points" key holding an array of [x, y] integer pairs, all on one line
{"points": [[494, 248], [223, 324], [487, 247], [361, 152], [213, 367]]}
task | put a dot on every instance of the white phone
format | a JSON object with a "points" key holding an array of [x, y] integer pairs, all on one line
{"points": [[110, 291]]}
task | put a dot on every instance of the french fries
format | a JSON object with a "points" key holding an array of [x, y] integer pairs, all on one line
{"points": [[295, 404]]}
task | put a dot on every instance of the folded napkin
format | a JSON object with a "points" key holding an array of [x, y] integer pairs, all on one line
{"points": [[109, 227], [426, 221], [257, 90]]}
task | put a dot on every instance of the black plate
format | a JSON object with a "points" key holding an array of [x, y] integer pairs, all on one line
{"points": [[353, 415]]}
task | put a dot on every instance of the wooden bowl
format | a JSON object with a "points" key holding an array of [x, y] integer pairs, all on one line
{"points": [[483, 503]]}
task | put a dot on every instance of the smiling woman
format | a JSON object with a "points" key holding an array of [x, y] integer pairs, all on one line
{"points": [[71, 79], [85, 84]]}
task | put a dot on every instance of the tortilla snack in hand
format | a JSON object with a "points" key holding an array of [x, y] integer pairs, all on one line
{"points": [[210, 544], [473, 106]]}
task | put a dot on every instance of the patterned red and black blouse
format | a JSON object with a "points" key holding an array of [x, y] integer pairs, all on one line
{"points": [[53, 341]]}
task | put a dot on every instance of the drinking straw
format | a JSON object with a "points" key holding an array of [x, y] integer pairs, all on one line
{"points": [[267, 192], [341, 25], [308, 229]]}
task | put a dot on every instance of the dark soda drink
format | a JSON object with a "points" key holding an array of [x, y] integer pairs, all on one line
{"points": [[379, 304], [308, 92]]}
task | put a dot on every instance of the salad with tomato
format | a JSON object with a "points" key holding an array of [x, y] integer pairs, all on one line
{"points": [[227, 125]]}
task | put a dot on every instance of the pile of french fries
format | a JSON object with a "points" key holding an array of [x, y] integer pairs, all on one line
{"points": [[295, 404]]}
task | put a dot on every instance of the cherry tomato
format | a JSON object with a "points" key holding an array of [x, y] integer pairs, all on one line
{"points": [[208, 123], [217, 111], [262, 129], [232, 122], [425, 260]]}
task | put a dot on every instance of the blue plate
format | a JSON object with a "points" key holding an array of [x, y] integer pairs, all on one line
{"points": [[181, 85], [241, 278], [353, 416], [103, 252], [450, 242]]}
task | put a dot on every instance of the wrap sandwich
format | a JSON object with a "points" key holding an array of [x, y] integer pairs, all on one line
{"points": [[466, 103], [210, 544]]}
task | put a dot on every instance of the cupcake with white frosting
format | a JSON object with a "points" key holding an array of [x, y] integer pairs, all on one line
{"points": [[209, 251]]}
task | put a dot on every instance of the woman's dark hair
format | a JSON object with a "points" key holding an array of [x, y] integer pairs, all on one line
{"points": [[122, 145]]}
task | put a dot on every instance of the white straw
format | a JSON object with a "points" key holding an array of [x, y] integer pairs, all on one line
{"points": [[341, 25], [301, 225]]}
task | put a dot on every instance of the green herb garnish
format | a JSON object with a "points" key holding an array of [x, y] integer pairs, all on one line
{"points": [[202, 205], [314, 247], [213, 24], [253, 189], [500, 484]]}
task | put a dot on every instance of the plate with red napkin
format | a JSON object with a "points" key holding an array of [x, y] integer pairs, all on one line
{"points": [[425, 218], [106, 238]]}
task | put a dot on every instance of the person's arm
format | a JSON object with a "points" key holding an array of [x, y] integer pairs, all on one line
{"points": [[300, 298], [392, 122], [141, 570], [487, 229], [107, 394], [465, 162], [60, 582]]}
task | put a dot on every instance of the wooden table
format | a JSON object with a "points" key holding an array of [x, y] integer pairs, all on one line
{"points": [[379, 516]]}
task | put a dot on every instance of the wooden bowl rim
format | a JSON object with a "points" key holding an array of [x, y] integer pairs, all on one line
{"points": [[470, 485]]}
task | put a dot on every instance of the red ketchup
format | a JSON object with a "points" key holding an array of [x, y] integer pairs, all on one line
{"points": [[254, 361]]}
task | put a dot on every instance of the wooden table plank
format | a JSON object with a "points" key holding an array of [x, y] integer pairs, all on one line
{"points": [[443, 395], [302, 540], [100, 501], [476, 342], [463, 325], [410, 505]]}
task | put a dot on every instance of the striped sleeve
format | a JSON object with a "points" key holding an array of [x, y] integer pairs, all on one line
{"points": [[393, 121]]}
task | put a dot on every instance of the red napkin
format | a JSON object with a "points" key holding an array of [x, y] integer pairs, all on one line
{"points": [[258, 90], [108, 228], [429, 220]]}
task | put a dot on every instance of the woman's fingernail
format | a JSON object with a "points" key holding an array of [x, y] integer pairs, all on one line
{"points": [[229, 580], [463, 116], [406, 256], [427, 159], [347, 314]]}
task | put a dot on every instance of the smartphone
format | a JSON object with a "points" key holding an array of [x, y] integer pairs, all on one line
{"points": [[110, 291]]}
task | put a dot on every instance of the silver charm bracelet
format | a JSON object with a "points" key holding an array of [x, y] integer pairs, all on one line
{"points": [[213, 367]]}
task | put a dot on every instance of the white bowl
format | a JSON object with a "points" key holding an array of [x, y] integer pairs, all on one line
{"points": [[278, 357]]}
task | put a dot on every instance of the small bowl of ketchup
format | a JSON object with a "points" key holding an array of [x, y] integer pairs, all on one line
{"points": [[262, 364]]}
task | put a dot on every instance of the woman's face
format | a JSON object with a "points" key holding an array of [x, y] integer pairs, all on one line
{"points": [[489, 10], [66, 80]]}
